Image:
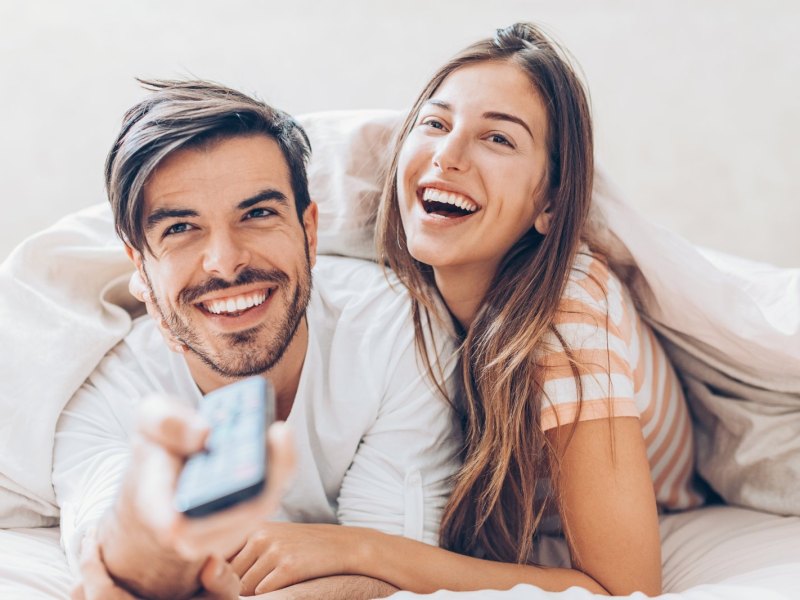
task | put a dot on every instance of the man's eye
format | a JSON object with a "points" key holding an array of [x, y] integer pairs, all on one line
{"points": [[259, 213], [177, 228]]}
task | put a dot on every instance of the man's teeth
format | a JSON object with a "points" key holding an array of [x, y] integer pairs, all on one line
{"points": [[235, 304], [435, 195]]}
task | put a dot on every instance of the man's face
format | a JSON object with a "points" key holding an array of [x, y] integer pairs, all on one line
{"points": [[230, 267]]}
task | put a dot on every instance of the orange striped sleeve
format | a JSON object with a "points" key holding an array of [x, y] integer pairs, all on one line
{"points": [[590, 320]]}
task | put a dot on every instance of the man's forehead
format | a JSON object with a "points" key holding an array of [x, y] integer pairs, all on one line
{"points": [[224, 172]]}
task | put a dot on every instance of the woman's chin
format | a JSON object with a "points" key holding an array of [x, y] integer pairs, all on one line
{"points": [[436, 257]]}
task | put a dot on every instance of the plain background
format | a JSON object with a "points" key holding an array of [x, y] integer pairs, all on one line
{"points": [[696, 102]]}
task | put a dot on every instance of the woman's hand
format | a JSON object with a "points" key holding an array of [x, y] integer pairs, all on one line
{"points": [[282, 554], [139, 290]]}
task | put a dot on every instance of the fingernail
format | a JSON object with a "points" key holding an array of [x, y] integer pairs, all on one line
{"points": [[219, 570]]}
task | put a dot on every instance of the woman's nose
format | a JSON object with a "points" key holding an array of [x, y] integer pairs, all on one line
{"points": [[452, 153]]}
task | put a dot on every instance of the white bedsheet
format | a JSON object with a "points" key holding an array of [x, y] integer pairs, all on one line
{"points": [[32, 565], [714, 553]]}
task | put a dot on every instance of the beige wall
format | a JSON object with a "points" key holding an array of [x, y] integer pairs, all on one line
{"points": [[697, 103]]}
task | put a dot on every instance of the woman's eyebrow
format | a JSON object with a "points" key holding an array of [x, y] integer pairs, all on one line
{"points": [[491, 115], [439, 103], [501, 116]]}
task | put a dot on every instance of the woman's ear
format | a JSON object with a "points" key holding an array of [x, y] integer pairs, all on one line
{"points": [[542, 221]]}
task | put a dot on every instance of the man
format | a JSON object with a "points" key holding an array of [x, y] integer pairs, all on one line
{"points": [[209, 193]]}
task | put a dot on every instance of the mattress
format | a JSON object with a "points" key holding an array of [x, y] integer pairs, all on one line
{"points": [[713, 553]]}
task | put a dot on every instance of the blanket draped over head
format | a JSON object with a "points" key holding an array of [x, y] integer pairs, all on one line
{"points": [[730, 326]]}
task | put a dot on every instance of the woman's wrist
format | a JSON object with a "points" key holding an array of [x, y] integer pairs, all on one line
{"points": [[362, 548]]}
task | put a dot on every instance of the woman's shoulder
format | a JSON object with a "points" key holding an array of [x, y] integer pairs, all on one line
{"points": [[593, 288], [596, 315]]}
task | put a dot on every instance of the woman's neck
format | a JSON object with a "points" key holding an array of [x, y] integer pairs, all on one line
{"points": [[463, 288]]}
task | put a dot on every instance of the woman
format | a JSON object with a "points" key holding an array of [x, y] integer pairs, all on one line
{"points": [[574, 421]]}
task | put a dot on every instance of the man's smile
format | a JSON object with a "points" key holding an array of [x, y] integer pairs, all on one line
{"points": [[237, 303], [236, 312]]}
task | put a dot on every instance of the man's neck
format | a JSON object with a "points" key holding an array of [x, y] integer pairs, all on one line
{"points": [[284, 376]]}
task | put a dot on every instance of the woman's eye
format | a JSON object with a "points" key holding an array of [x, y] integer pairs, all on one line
{"points": [[433, 123], [500, 139], [177, 228], [258, 213]]}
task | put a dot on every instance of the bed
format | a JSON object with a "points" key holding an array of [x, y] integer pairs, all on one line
{"points": [[731, 326]]}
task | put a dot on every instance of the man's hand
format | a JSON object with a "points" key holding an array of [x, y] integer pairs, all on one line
{"points": [[150, 547], [217, 578], [170, 433]]}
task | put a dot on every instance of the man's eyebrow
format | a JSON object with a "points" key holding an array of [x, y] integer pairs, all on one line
{"points": [[162, 214], [501, 116], [264, 196]]}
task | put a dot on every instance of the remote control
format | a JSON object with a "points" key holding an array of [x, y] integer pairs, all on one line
{"points": [[233, 466]]}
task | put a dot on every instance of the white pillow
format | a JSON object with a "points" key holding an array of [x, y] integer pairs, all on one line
{"points": [[350, 154]]}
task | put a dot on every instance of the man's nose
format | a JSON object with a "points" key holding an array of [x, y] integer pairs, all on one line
{"points": [[452, 152], [224, 256]]}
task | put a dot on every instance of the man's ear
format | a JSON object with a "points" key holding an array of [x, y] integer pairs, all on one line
{"points": [[136, 259], [310, 223]]}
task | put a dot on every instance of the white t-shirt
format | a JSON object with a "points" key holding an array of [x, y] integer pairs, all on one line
{"points": [[376, 444]]}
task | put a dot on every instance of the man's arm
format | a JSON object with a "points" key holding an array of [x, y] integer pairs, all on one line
{"points": [[217, 577], [146, 544], [339, 587], [133, 554], [145, 529], [93, 464]]}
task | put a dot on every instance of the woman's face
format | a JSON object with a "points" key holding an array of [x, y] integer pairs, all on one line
{"points": [[471, 171]]}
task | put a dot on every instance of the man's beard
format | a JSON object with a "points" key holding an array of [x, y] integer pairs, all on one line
{"points": [[244, 353]]}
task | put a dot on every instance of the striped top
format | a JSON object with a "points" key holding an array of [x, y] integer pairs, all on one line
{"points": [[624, 372]]}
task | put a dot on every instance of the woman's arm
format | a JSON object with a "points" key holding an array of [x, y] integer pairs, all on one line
{"points": [[609, 504], [609, 511]]}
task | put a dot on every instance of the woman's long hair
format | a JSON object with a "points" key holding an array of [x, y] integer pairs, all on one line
{"points": [[495, 510]]}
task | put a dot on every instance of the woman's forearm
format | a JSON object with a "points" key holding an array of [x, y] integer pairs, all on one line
{"points": [[421, 568]]}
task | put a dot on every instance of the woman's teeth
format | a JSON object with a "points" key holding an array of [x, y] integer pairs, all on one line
{"points": [[235, 303], [442, 197]]}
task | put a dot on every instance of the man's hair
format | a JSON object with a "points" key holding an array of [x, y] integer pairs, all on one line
{"points": [[187, 114]]}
